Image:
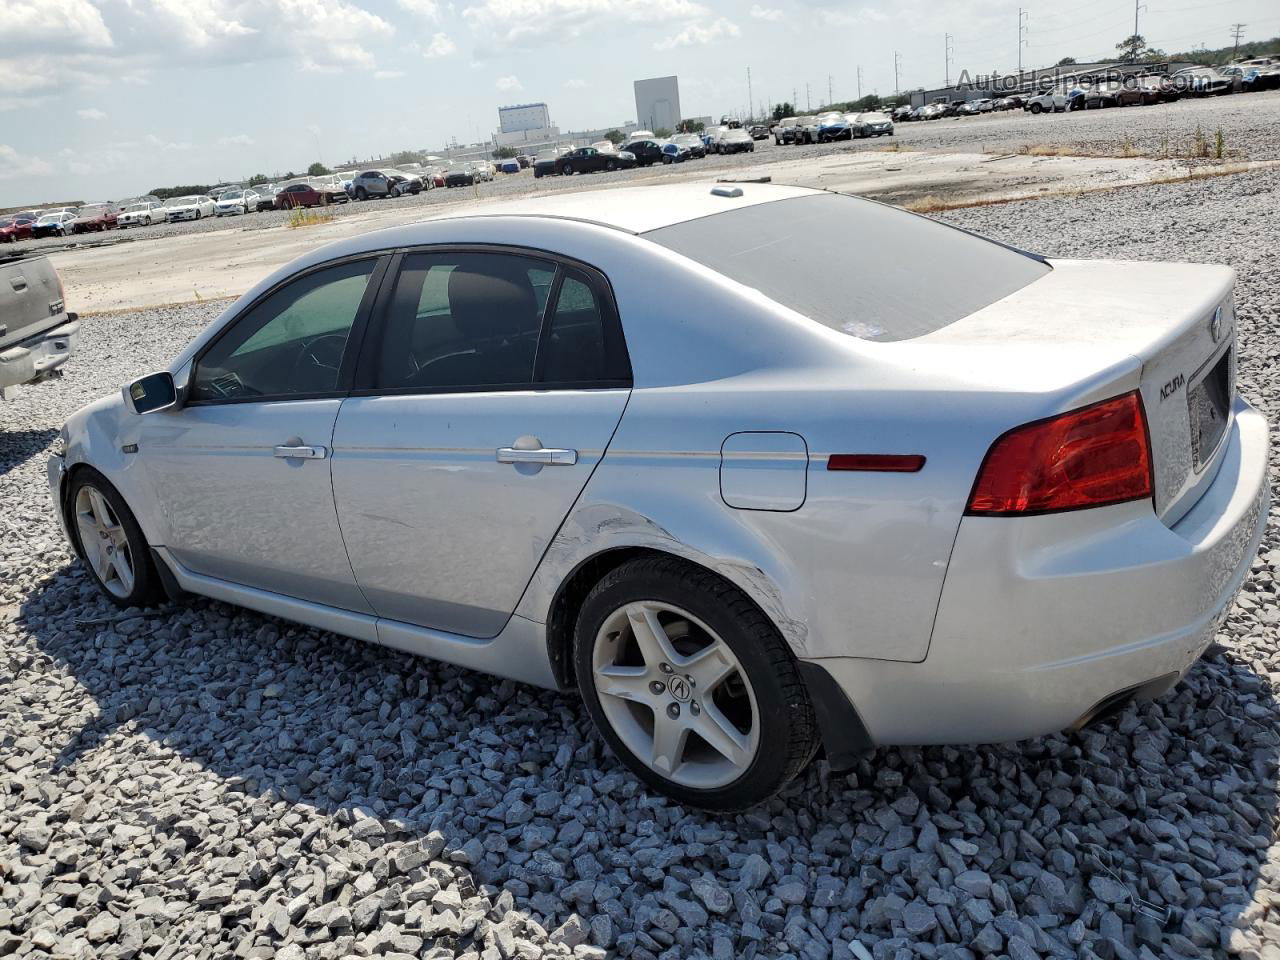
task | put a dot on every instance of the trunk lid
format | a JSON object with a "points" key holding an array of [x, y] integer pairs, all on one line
{"points": [[1083, 320]]}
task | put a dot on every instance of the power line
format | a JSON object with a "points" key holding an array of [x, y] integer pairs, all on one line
{"points": [[1237, 31]]}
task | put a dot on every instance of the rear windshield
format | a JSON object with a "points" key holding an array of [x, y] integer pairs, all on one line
{"points": [[859, 267]]}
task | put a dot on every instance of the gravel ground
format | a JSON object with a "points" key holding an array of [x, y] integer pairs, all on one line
{"points": [[1250, 125], [205, 782]]}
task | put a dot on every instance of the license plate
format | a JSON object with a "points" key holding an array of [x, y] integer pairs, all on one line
{"points": [[1209, 403]]}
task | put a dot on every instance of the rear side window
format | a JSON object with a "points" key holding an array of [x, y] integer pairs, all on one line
{"points": [[859, 267], [463, 320], [582, 342]]}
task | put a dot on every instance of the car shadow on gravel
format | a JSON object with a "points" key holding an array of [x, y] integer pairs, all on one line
{"points": [[1151, 829], [19, 446]]}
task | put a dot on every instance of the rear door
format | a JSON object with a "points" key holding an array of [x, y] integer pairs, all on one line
{"points": [[486, 396]]}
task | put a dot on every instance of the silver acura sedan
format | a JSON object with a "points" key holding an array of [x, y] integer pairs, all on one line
{"points": [[649, 443]]}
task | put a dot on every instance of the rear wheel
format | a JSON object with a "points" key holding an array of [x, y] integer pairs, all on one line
{"points": [[691, 686], [362, 193], [111, 542]]}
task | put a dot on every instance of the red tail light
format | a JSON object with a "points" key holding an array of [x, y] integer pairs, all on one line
{"points": [[1090, 457]]}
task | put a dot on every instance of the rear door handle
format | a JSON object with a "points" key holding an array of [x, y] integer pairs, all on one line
{"points": [[554, 457], [301, 453]]}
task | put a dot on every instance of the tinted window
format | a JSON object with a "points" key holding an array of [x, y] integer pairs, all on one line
{"points": [[854, 265], [463, 320], [576, 349], [289, 345]]}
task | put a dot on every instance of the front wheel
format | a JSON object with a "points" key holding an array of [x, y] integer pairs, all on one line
{"points": [[362, 193], [111, 542], [691, 686], [1036, 108]]}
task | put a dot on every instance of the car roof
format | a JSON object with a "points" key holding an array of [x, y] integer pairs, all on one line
{"points": [[638, 209]]}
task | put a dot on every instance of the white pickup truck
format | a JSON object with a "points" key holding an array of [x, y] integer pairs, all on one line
{"points": [[37, 335]]}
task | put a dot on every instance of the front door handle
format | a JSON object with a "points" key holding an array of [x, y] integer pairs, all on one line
{"points": [[544, 455], [300, 452]]}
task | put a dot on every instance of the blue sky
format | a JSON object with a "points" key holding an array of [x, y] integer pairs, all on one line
{"points": [[106, 98]]}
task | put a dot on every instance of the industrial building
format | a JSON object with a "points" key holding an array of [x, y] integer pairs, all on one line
{"points": [[658, 103], [522, 117]]}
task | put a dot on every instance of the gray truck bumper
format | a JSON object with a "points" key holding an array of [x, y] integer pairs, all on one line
{"points": [[38, 357]]}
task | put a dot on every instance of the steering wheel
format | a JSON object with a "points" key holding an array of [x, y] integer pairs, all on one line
{"points": [[320, 357]]}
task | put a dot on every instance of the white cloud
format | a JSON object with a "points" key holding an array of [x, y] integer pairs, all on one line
{"points": [[577, 83], [531, 22], [155, 142], [91, 113], [508, 84], [388, 74], [440, 46], [766, 13], [52, 25], [427, 9], [236, 140], [700, 34], [851, 18], [14, 165]]}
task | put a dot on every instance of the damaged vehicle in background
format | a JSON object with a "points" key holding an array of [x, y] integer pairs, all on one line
{"points": [[37, 335], [95, 217], [707, 521], [140, 214], [53, 225], [196, 206]]}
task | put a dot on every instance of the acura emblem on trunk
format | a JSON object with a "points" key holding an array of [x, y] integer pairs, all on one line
{"points": [[1215, 325]]}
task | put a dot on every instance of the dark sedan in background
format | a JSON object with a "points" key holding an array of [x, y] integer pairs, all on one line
{"points": [[15, 228], [592, 160], [307, 195], [95, 217]]}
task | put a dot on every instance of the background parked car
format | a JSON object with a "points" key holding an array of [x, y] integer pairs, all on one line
{"points": [[759, 131], [1050, 102], [697, 149], [587, 160], [53, 225], [784, 131], [646, 151], [370, 184], [1204, 82], [139, 214], [95, 217], [734, 140], [233, 202], [544, 164], [14, 228], [873, 124], [192, 207], [462, 175], [266, 197], [674, 153], [308, 195]]}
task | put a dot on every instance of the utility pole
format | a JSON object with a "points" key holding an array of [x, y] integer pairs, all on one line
{"points": [[1237, 31], [1023, 17], [795, 99], [897, 62], [1136, 4], [947, 67], [830, 99], [750, 99], [808, 97]]}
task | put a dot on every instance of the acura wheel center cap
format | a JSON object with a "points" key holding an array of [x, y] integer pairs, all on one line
{"points": [[679, 688]]}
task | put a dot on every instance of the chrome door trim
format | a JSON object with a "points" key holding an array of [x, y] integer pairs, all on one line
{"points": [[553, 456], [301, 452]]}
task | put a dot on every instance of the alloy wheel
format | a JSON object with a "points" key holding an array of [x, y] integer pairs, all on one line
{"points": [[104, 542], [676, 695]]}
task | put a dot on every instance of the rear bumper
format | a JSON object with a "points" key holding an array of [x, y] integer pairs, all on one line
{"points": [[32, 359], [1044, 619]]}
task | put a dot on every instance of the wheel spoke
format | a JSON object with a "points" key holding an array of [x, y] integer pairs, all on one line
{"points": [[669, 737], [625, 683], [655, 646], [721, 735], [100, 513], [709, 667], [124, 570]]}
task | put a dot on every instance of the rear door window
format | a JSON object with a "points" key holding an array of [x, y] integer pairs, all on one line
{"points": [[860, 267]]}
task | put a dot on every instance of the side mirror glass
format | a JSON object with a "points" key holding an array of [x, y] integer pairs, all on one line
{"points": [[155, 391]]}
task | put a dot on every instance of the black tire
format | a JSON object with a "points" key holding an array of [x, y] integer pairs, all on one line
{"points": [[1036, 108], [788, 731], [147, 589], [362, 193], [610, 166]]}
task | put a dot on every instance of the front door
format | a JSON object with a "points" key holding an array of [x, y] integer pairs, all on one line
{"points": [[242, 469], [494, 387]]}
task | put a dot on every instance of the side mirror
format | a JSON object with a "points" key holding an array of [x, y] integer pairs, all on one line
{"points": [[155, 391]]}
